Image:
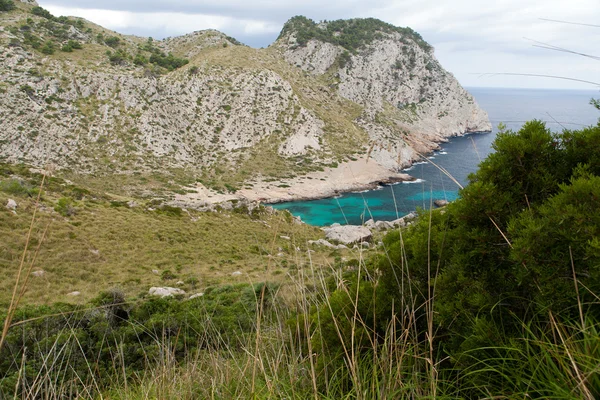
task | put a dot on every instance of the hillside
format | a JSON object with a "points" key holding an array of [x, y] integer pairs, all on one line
{"points": [[213, 116]]}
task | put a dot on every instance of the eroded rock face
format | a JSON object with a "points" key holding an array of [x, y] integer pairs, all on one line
{"points": [[300, 105], [410, 102], [348, 234]]}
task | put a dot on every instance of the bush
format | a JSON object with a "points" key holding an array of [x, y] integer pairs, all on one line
{"points": [[112, 41], [134, 336], [7, 5], [42, 12], [64, 206], [48, 47], [15, 187]]}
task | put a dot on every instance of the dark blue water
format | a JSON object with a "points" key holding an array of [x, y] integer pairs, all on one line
{"points": [[560, 109]]}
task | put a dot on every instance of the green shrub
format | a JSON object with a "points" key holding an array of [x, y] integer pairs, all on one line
{"points": [[112, 41], [48, 47], [42, 12], [15, 187], [64, 206], [7, 5]]}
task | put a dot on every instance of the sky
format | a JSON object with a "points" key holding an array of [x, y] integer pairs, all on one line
{"points": [[483, 43]]}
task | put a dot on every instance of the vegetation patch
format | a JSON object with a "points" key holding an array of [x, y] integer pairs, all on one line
{"points": [[351, 34]]}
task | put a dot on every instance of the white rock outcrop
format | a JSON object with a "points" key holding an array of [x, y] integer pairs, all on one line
{"points": [[11, 205], [348, 234], [165, 291]]}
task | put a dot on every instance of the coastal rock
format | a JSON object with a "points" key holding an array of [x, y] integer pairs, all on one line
{"points": [[404, 221], [383, 225], [400, 222], [441, 203], [165, 291], [348, 234]]}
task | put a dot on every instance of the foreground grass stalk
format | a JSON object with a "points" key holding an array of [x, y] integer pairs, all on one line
{"points": [[16, 296]]}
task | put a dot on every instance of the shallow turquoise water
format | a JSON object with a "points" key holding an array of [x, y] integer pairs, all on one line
{"points": [[460, 157]]}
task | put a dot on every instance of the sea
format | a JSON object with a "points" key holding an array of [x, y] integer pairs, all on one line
{"points": [[559, 109]]}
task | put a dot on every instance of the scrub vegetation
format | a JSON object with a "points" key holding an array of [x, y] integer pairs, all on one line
{"points": [[493, 296]]}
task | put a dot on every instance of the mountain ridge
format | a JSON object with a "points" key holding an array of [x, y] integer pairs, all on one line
{"points": [[203, 110]]}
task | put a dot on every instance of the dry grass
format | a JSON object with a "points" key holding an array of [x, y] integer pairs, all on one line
{"points": [[101, 247]]}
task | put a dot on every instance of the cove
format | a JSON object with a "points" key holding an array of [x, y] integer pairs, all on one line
{"points": [[460, 156], [560, 109]]}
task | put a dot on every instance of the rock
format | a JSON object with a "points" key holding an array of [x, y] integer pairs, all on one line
{"points": [[155, 272], [11, 205], [398, 222], [237, 273], [348, 234], [74, 294], [132, 204], [194, 296], [410, 216], [180, 283], [95, 252], [165, 291], [441, 203], [370, 224], [285, 237], [39, 273], [323, 242], [383, 225]]}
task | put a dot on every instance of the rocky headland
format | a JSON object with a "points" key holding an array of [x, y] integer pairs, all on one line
{"points": [[328, 108]]}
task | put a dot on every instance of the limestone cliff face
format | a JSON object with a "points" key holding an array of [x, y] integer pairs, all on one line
{"points": [[409, 100], [289, 109]]}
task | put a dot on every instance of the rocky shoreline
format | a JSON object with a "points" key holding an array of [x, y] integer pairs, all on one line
{"points": [[352, 176]]}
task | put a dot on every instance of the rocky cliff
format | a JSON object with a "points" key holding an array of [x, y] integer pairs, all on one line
{"points": [[89, 100], [409, 100]]}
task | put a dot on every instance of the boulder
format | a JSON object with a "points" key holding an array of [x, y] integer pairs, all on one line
{"points": [[370, 224], [165, 291], [348, 234], [398, 223], [383, 225], [441, 203], [11, 205], [323, 242]]}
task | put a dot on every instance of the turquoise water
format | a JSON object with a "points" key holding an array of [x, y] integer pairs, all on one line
{"points": [[461, 156]]}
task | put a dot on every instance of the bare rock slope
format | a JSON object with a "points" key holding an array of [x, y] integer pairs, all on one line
{"points": [[93, 101]]}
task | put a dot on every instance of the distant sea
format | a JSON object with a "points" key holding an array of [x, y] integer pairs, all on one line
{"points": [[560, 109]]}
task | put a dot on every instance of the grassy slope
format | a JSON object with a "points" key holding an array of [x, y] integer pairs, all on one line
{"points": [[103, 246]]}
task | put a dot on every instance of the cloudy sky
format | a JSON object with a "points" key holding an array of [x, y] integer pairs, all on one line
{"points": [[483, 43]]}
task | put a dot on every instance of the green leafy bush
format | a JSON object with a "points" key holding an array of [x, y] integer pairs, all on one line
{"points": [[135, 336], [7, 5], [48, 47]]}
